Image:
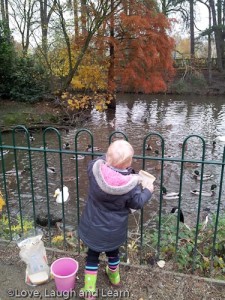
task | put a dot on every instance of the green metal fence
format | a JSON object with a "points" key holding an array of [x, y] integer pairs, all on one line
{"points": [[183, 245]]}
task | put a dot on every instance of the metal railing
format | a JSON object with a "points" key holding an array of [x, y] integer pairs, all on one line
{"points": [[29, 153]]}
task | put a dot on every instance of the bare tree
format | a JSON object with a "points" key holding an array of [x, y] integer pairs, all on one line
{"points": [[192, 32], [22, 13], [46, 10], [5, 15], [217, 31], [75, 12], [208, 32]]}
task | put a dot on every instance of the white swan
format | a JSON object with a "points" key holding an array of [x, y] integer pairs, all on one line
{"points": [[62, 197]]}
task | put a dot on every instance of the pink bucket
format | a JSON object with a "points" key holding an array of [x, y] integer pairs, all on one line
{"points": [[64, 271]]}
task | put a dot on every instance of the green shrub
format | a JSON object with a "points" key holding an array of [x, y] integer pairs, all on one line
{"points": [[184, 254], [7, 61], [30, 80], [179, 87], [22, 78], [16, 228], [196, 79]]}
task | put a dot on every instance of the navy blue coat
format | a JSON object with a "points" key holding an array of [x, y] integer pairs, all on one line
{"points": [[104, 221]]}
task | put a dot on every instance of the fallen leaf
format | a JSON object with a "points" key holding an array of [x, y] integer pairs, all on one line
{"points": [[161, 263]]}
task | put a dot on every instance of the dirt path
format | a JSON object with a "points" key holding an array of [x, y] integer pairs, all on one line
{"points": [[139, 283]]}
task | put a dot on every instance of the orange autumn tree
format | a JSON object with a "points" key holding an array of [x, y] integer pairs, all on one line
{"points": [[142, 49]]}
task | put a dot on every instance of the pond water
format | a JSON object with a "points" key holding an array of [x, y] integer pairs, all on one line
{"points": [[173, 117]]}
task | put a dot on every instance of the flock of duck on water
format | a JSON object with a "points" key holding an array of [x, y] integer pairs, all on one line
{"points": [[172, 195], [60, 195], [196, 175], [63, 196], [176, 195]]}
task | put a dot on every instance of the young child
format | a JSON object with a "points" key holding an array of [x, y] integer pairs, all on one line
{"points": [[113, 191]]}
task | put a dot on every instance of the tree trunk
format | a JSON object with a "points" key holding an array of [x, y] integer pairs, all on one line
{"points": [[83, 17], [192, 33], [111, 83], [5, 17], [75, 13], [44, 25], [66, 37], [45, 15], [218, 36], [209, 49]]}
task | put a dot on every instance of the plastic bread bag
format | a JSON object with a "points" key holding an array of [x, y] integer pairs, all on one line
{"points": [[146, 178], [33, 253]]}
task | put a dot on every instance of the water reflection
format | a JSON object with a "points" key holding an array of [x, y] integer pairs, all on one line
{"points": [[174, 117]]}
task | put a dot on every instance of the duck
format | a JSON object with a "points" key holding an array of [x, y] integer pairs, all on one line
{"points": [[156, 152], [205, 222], [148, 147], [70, 230], [174, 210], [42, 220], [197, 176], [211, 146], [62, 198], [190, 165], [45, 146], [31, 137], [69, 178], [221, 138], [89, 148], [4, 152], [158, 166], [78, 156], [171, 195], [181, 146], [66, 146], [205, 193], [169, 126], [204, 218], [51, 170], [14, 172], [2, 201], [112, 123]]}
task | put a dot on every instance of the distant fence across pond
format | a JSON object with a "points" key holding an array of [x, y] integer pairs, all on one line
{"points": [[198, 63], [153, 234]]}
